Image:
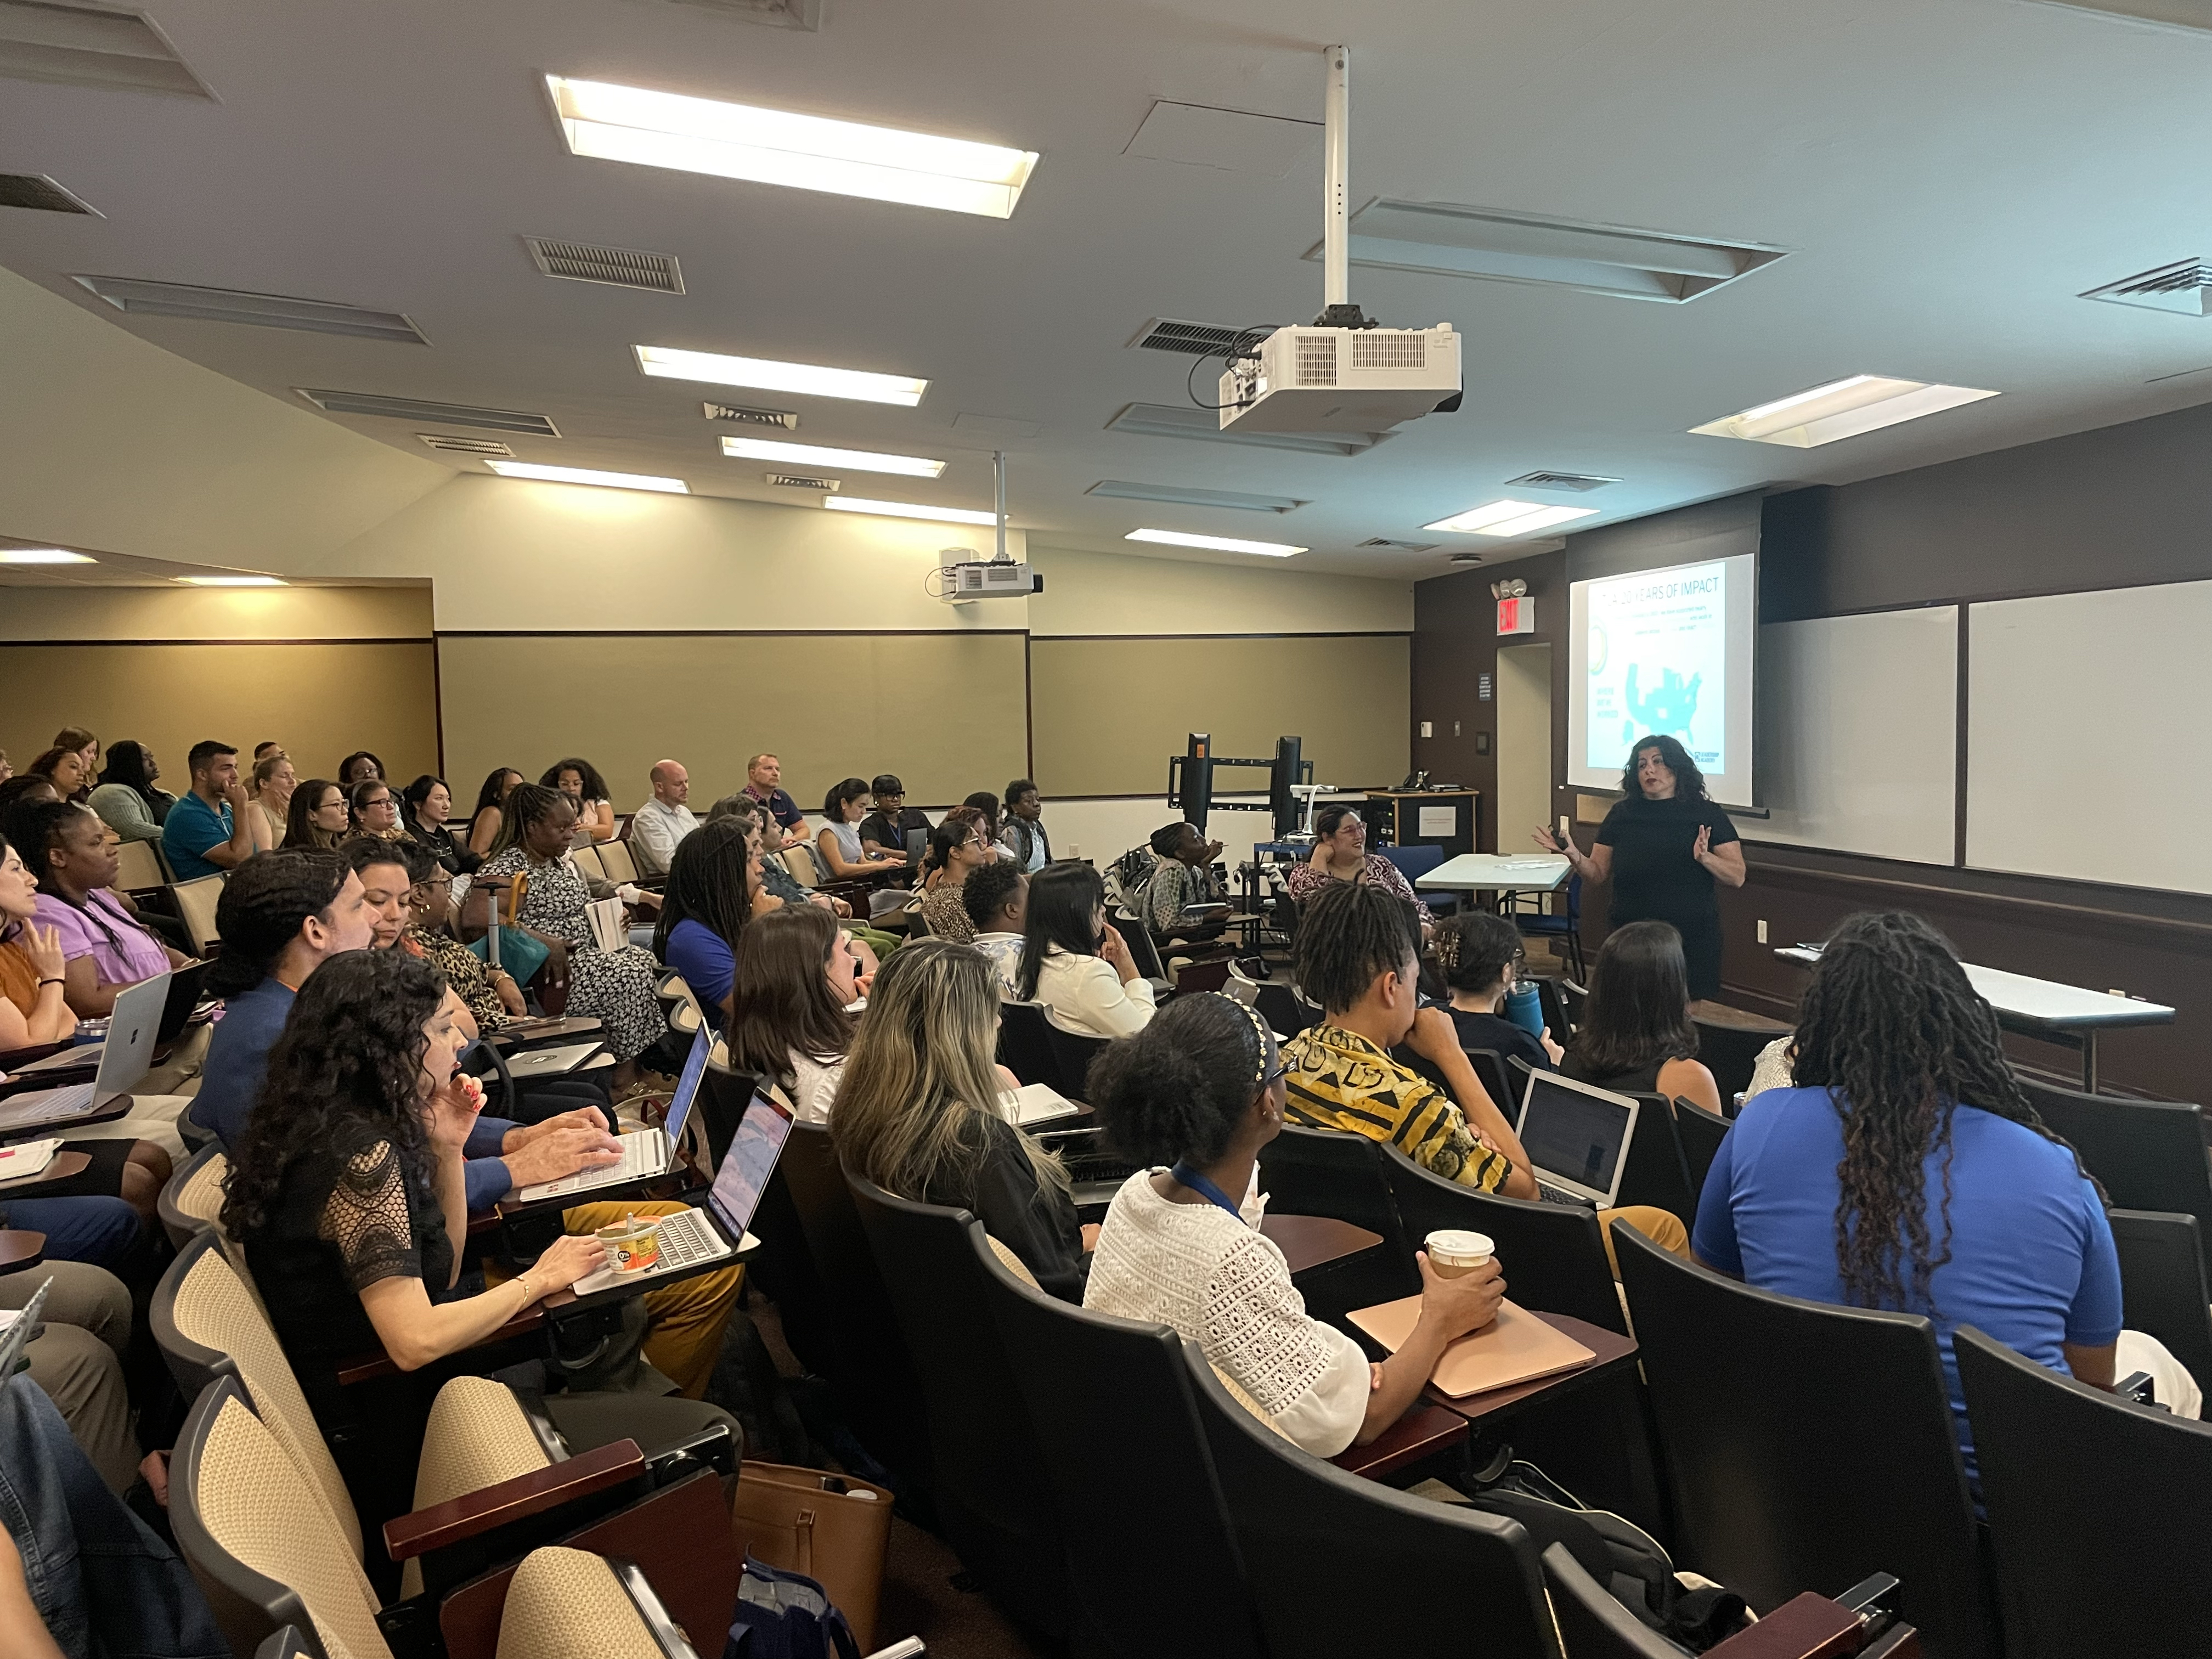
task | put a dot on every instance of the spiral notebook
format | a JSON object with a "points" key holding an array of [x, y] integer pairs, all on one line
{"points": [[1515, 1347]]}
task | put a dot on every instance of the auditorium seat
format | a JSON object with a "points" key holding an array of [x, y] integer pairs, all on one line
{"points": [[1490, 1072], [2162, 1284], [193, 1199], [1329, 1172], [1730, 1051], [1701, 1133], [2148, 1154], [1026, 1047], [193, 903], [1072, 1051]]}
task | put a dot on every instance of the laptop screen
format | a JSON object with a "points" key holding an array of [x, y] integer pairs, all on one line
{"points": [[1568, 1133], [687, 1086], [747, 1165]]}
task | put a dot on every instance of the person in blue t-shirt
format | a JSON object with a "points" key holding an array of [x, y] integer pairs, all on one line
{"points": [[711, 881], [1906, 1170], [209, 831]]}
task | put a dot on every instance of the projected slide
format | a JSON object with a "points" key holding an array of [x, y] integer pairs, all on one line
{"points": [[1658, 663], [1665, 653]]}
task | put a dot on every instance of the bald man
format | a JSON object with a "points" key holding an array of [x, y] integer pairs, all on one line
{"points": [[658, 825]]}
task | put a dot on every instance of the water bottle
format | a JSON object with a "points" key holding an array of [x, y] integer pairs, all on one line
{"points": [[1525, 1008]]}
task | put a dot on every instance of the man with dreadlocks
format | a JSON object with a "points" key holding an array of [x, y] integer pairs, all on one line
{"points": [[1906, 1170]]}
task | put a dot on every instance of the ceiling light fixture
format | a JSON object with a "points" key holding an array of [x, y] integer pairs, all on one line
{"points": [[233, 581], [1509, 519], [668, 363], [612, 123], [585, 475], [1216, 543], [1841, 408], [909, 510], [860, 460], [44, 556]]}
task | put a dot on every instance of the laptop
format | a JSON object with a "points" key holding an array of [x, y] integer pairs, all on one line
{"points": [[124, 1060], [1577, 1137], [645, 1152], [917, 844], [695, 1235], [556, 1061], [184, 997]]}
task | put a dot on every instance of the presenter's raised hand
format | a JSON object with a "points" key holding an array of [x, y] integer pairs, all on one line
{"points": [[1704, 846], [1550, 842]]}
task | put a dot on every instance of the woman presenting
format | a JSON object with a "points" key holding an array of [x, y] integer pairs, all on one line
{"points": [[1662, 846]]}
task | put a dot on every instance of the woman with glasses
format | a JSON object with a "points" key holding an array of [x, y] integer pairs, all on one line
{"points": [[1478, 957], [318, 814], [375, 811], [956, 847]]}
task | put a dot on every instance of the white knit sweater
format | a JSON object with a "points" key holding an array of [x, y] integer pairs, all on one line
{"points": [[1199, 1269]]}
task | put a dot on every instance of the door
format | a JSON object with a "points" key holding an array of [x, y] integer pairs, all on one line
{"points": [[1524, 744]]}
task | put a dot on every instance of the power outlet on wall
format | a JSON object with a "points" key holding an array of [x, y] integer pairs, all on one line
{"points": [[1762, 930], [1428, 728]]}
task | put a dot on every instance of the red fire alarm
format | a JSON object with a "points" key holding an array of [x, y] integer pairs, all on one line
{"points": [[1516, 616]]}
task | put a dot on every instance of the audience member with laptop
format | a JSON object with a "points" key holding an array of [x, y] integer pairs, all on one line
{"points": [[105, 945]]}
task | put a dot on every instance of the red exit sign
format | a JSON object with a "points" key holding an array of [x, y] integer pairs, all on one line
{"points": [[1516, 616]]}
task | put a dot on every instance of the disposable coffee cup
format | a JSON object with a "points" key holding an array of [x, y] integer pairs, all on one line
{"points": [[1452, 1252]]}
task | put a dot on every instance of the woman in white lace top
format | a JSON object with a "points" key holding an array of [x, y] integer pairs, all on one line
{"points": [[1200, 1089]]}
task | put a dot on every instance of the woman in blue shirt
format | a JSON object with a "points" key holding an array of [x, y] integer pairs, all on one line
{"points": [[1906, 1170], [711, 884]]}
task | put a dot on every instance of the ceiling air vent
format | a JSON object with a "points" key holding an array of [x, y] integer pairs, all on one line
{"points": [[1181, 421], [1192, 339], [430, 414], [1183, 495], [617, 267], [800, 481], [36, 190], [1400, 547], [2179, 288], [782, 418], [1581, 482], [225, 305], [453, 446], [90, 46]]}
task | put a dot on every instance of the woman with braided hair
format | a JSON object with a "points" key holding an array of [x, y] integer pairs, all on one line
{"points": [[1906, 1170]]}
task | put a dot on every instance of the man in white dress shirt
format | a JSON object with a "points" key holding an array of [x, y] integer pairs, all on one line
{"points": [[657, 826]]}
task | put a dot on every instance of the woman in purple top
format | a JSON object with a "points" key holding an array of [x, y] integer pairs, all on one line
{"points": [[107, 948]]}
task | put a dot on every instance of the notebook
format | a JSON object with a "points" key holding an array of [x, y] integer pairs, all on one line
{"points": [[610, 926], [1517, 1346], [124, 1060], [707, 1235], [1577, 1138], [1037, 1103], [27, 1159], [645, 1152]]}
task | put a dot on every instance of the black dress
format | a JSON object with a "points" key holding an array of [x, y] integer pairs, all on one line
{"points": [[1655, 879]]}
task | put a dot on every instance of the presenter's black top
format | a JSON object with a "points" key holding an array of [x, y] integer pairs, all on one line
{"points": [[1655, 879]]}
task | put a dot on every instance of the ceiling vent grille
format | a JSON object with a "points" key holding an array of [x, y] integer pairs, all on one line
{"points": [[37, 192], [800, 481], [2180, 287], [615, 267], [1192, 339], [1182, 421], [90, 46], [416, 408], [783, 419], [456, 446], [1581, 482], [1184, 496], [224, 305], [1400, 547]]}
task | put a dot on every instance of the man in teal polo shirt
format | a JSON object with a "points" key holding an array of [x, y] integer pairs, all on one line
{"points": [[207, 832]]}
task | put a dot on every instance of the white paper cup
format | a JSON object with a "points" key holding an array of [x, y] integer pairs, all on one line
{"points": [[1453, 1252]]}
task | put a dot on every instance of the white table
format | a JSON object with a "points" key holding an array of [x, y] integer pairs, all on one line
{"points": [[1493, 873], [2069, 1015]]}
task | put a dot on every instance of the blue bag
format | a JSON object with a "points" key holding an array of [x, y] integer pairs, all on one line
{"points": [[786, 1615]]}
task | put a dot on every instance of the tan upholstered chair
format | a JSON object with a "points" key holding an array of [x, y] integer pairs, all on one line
{"points": [[136, 868], [195, 902], [569, 1602], [615, 860], [587, 860], [193, 1198]]}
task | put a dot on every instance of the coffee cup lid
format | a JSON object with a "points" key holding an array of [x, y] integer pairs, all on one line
{"points": [[1458, 1245]]}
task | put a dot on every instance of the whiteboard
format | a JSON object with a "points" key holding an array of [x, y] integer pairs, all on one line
{"points": [[2079, 705], [1858, 734]]}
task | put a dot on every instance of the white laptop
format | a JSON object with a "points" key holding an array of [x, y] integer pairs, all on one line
{"points": [[695, 1235], [1577, 1136], [645, 1152], [1037, 1103], [558, 1061], [124, 1060]]}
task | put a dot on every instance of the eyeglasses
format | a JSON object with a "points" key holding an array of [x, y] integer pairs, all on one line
{"points": [[1274, 1077]]}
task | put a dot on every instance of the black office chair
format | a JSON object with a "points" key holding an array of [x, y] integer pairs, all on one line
{"points": [[1807, 1445], [1730, 1053], [1658, 1174], [1072, 1053], [1290, 1511], [1153, 1560], [1553, 1254], [1532, 914], [2149, 1154], [995, 1499], [2098, 1511], [1025, 1046], [1490, 1072], [2162, 1286], [1329, 1172], [1286, 1011], [1701, 1133]]}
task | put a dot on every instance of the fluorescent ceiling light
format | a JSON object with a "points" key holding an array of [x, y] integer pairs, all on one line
{"points": [[1218, 543], [233, 581], [613, 123], [859, 460], [910, 510], [585, 475], [1841, 408], [667, 363], [43, 555], [1509, 519]]}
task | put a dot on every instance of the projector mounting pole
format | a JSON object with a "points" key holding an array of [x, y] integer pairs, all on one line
{"points": [[1337, 311], [999, 481]]}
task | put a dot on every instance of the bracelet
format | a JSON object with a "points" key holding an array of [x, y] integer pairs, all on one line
{"points": [[530, 1292], [45, 983]]}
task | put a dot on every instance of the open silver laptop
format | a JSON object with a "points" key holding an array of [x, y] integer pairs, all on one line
{"points": [[707, 1235], [124, 1060], [645, 1152], [1577, 1136]]}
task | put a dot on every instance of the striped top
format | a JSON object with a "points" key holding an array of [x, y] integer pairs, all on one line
{"points": [[1340, 1080]]}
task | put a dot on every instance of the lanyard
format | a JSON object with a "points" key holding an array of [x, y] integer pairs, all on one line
{"points": [[1202, 1185]]}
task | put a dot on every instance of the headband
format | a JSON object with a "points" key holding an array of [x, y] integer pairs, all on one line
{"points": [[1261, 1035]]}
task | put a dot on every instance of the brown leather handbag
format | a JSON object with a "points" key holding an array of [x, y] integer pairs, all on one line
{"points": [[835, 1528]]}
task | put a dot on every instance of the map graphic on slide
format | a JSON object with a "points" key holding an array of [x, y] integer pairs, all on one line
{"points": [[1658, 664]]}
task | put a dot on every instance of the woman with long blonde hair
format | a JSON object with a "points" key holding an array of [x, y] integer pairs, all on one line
{"points": [[919, 1112]]}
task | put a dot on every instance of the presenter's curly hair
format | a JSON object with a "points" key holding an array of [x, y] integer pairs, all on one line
{"points": [[1891, 1026], [350, 1059], [1689, 782]]}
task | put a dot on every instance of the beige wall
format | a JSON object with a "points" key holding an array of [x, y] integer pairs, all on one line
{"points": [[215, 613], [1112, 593]]}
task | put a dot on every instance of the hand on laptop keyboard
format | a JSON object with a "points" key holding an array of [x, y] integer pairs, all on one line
{"points": [[562, 1152]]}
